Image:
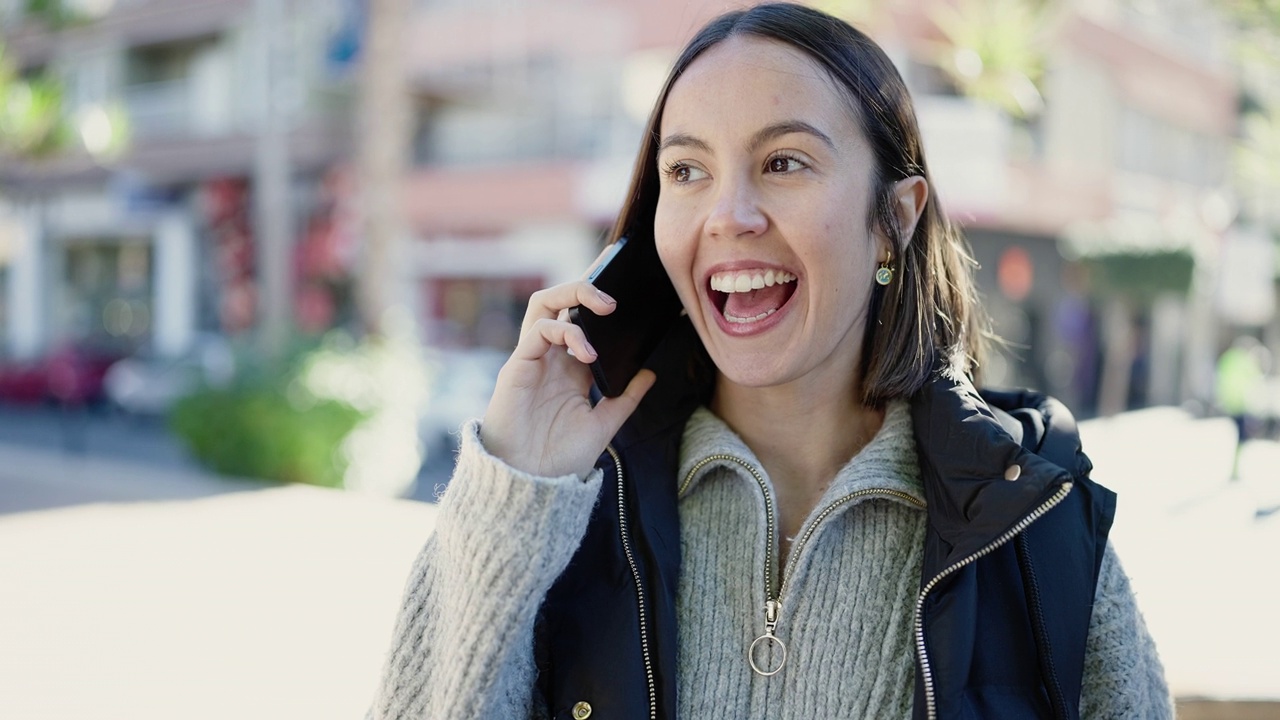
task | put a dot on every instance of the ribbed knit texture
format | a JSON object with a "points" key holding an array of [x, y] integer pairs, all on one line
{"points": [[847, 592], [463, 644], [1123, 677]]}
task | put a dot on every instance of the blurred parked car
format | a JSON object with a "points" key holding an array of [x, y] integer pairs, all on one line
{"points": [[23, 383], [147, 384], [461, 386], [72, 375]]}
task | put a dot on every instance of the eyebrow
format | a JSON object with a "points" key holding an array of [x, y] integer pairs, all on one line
{"points": [[765, 134]]}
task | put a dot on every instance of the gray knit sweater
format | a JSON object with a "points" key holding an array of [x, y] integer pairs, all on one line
{"points": [[464, 639]]}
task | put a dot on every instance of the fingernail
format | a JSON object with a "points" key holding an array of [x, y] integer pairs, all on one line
{"points": [[605, 297], [590, 350]]}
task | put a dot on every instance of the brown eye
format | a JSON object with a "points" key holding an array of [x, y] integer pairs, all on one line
{"points": [[681, 174], [782, 164]]}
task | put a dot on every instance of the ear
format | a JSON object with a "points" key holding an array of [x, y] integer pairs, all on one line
{"points": [[911, 193]]}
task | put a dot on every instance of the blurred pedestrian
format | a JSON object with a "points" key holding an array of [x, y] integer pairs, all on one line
{"points": [[804, 508], [1239, 388]]}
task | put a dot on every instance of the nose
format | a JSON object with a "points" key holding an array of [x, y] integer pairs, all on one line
{"points": [[736, 212]]}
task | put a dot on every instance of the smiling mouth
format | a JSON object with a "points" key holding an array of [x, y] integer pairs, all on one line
{"points": [[749, 296]]}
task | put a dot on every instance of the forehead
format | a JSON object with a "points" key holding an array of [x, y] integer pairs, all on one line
{"points": [[750, 82]]}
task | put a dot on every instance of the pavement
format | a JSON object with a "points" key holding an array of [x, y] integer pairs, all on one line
{"points": [[134, 584], [1199, 549]]}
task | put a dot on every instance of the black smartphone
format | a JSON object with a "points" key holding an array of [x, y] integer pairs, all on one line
{"points": [[632, 274]]}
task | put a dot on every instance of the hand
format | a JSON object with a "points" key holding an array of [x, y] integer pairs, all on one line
{"points": [[540, 419]]}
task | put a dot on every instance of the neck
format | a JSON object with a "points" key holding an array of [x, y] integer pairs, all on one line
{"points": [[802, 432]]}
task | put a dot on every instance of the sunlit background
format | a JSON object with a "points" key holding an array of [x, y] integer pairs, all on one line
{"points": [[250, 247]]}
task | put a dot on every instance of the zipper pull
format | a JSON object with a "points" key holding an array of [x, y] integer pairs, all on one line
{"points": [[772, 608]]}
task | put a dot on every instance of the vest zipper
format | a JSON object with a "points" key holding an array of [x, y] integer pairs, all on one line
{"points": [[635, 574], [773, 600], [922, 654]]}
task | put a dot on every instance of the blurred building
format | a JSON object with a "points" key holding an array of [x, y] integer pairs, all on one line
{"points": [[142, 251], [530, 117], [1115, 259], [1101, 220]]}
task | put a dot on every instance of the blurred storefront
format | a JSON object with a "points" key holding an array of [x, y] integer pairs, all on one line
{"points": [[1116, 257], [141, 252]]}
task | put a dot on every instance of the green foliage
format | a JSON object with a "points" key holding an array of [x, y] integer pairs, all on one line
{"points": [[994, 51], [54, 13], [35, 123], [337, 413], [1258, 153], [31, 121], [267, 425], [386, 378], [1260, 14]]}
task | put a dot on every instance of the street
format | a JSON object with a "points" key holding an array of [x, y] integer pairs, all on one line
{"points": [[138, 586]]}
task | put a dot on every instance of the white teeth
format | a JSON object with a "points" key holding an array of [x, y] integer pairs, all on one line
{"points": [[731, 282], [761, 316]]}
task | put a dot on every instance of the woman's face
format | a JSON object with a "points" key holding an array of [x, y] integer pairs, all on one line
{"points": [[762, 216]]}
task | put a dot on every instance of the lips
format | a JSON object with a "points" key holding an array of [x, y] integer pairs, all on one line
{"points": [[749, 296]]}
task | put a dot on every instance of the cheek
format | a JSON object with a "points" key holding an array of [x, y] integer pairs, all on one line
{"points": [[672, 250], [678, 263]]}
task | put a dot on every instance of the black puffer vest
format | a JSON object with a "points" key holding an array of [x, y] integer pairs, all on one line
{"points": [[1007, 583]]}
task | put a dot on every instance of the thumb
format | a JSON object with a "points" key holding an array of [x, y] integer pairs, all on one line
{"points": [[612, 412]]}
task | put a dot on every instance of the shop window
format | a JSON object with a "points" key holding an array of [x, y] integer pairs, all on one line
{"points": [[105, 295]]}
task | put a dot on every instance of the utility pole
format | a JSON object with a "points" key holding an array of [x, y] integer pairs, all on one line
{"points": [[272, 199], [382, 149]]}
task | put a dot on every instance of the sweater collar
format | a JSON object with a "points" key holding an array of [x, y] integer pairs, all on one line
{"points": [[887, 462]]}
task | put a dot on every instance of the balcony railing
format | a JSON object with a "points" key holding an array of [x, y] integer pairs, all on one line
{"points": [[160, 108]]}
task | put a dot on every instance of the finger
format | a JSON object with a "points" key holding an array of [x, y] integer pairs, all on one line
{"points": [[547, 304], [547, 334], [612, 412]]}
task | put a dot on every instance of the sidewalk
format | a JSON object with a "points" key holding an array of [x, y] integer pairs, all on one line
{"points": [[163, 593], [1201, 555], [143, 590], [129, 457]]}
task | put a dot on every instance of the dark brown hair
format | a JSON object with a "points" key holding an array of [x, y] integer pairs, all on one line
{"points": [[928, 318]]}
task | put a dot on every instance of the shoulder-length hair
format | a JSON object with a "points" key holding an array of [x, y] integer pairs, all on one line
{"points": [[928, 318]]}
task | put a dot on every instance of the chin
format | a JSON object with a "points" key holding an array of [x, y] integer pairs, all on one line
{"points": [[744, 373]]}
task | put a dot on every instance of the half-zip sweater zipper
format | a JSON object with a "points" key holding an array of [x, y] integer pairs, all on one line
{"points": [[774, 595]]}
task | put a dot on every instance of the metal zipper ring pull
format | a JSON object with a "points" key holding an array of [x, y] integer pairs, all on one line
{"points": [[751, 654]]}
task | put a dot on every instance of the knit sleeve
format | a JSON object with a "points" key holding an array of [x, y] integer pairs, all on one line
{"points": [[1123, 677], [463, 642]]}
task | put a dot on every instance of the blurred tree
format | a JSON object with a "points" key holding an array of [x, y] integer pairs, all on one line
{"points": [[55, 14], [1260, 15], [34, 122], [1257, 155], [994, 50], [31, 120]]}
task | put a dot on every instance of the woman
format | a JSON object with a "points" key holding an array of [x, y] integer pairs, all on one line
{"points": [[804, 508]]}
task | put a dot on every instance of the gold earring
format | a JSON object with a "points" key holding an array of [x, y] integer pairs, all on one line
{"points": [[884, 275]]}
